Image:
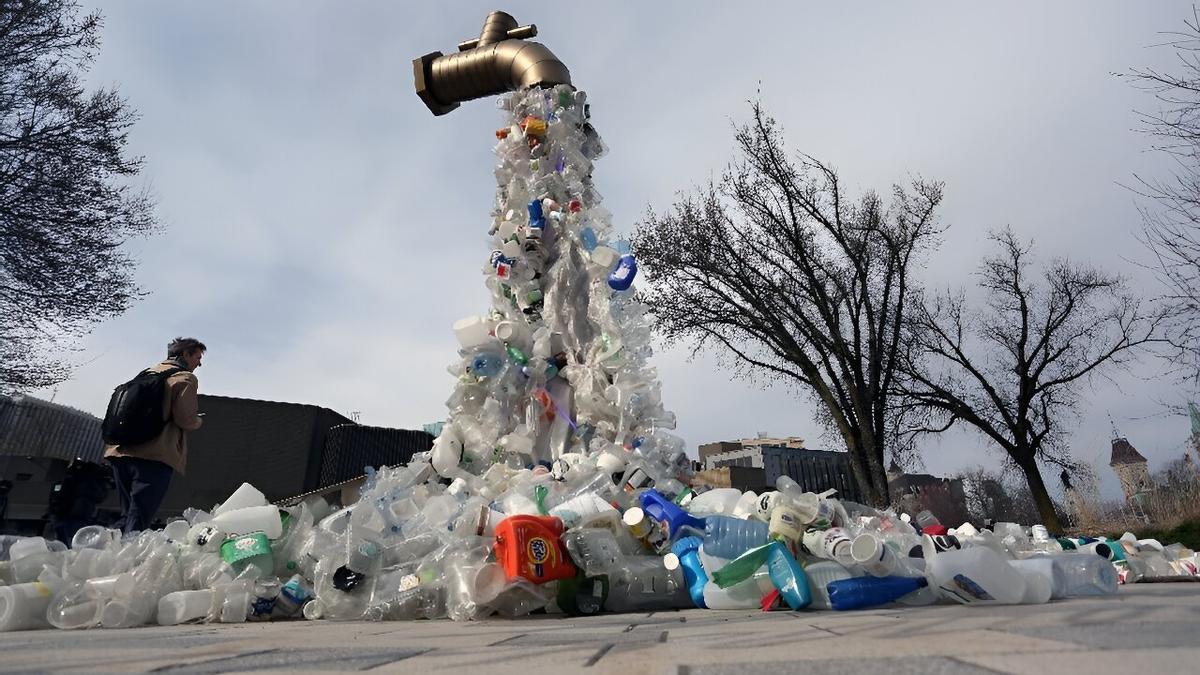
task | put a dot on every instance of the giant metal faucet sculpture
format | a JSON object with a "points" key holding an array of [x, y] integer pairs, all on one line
{"points": [[499, 60]]}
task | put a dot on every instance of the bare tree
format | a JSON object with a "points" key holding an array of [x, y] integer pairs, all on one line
{"points": [[1171, 224], [779, 270], [65, 207], [1013, 369]]}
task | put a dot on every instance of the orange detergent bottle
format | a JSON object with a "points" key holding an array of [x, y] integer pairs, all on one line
{"points": [[528, 547]]}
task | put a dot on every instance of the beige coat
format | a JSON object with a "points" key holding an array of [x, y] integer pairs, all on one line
{"points": [[180, 413]]}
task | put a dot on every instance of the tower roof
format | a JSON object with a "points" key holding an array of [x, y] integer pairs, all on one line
{"points": [[1124, 453]]}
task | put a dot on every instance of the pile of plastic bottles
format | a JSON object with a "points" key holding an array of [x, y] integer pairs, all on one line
{"points": [[586, 542], [555, 483]]}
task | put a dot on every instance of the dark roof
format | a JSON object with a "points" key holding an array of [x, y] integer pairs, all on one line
{"points": [[1124, 453], [31, 427]]}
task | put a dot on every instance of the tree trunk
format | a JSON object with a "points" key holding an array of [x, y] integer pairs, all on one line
{"points": [[1040, 496], [864, 476]]}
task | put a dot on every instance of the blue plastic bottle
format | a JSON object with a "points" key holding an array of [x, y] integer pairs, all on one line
{"points": [[863, 592], [486, 364], [658, 507], [788, 576], [728, 537], [687, 550], [621, 278]]}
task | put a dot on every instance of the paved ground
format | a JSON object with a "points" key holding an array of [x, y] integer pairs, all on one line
{"points": [[1145, 628]]}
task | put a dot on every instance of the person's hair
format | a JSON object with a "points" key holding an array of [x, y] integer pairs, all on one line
{"points": [[181, 345]]}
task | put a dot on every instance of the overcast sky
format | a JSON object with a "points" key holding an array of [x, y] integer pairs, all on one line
{"points": [[322, 230]]}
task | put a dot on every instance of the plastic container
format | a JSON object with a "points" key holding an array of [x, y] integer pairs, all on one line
{"points": [[646, 585], [832, 544], [658, 507], [94, 536], [244, 497], [23, 606], [472, 331], [719, 501], [1039, 579], [1079, 574], [183, 606], [27, 546], [687, 552], [653, 534], [864, 592], [248, 520], [594, 550], [249, 549], [528, 547], [820, 575], [726, 537], [788, 577], [873, 556], [976, 575]]}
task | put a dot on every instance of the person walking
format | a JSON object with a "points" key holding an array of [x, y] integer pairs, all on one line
{"points": [[142, 471]]}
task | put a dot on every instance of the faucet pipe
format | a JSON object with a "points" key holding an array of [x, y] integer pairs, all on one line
{"points": [[499, 60]]}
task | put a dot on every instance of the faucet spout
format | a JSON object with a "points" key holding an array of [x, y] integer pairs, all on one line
{"points": [[501, 59]]}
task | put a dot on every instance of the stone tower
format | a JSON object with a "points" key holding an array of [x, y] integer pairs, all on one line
{"points": [[1130, 467]]}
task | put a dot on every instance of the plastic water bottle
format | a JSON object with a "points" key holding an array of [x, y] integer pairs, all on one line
{"points": [[864, 592], [645, 584], [1083, 574], [594, 550], [726, 537]]}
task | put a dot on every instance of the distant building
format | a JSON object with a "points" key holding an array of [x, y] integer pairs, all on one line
{"points": [[945, 498], [814, 470], [1130, 467], [707, 449]]}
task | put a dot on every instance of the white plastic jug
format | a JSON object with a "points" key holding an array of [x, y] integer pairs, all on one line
{"points": [[718, 501], [976, 576], [263, 519], [245, 496]]}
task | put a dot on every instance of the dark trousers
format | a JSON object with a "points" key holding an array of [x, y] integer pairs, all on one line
{"points": [[142, 484]]}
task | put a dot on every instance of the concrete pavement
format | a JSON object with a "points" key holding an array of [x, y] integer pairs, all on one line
{"points": [[1146, 627]]}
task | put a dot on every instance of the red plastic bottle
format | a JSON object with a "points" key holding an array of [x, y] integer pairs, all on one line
{"points": [[529, 547]]}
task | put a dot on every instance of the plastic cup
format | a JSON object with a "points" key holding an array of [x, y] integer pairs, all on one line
{"points": [[26, 547], [23, 606]]}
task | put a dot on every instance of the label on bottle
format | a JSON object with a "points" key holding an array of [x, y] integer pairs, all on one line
{"points": [[964, 589]]}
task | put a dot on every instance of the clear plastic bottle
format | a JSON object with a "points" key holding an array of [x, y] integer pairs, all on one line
{"points": [[594, 550], [645, 584], [1083, 574], [727, 537]]}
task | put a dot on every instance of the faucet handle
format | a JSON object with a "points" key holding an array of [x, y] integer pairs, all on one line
{"points": [[519, 33]]}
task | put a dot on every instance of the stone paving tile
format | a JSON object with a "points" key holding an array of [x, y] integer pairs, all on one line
{"points": [[934, 665], [1093, 662], [1098, 631], [297, 659], [1126, 634]]}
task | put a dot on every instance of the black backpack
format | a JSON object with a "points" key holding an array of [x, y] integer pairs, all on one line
{"points": [[135, 411]]}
